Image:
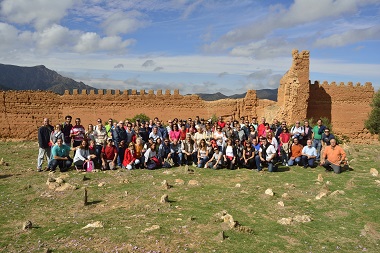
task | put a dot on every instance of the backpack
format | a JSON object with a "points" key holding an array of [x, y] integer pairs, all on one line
{"points": [[90, 165]]}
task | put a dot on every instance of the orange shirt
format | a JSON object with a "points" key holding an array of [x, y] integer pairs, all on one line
{"points": [[296, 150], [334, 154]]}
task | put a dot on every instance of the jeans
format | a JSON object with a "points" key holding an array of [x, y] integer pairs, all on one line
{"points": [[177, 158], [271, 164], [297, 160], [317, 144], [63, 165], [41, 153], [190, 159], [202, 162], [308, 162], [98, 151]]}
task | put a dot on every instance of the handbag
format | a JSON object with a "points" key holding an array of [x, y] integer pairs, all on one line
{"points": [[90, 165]]}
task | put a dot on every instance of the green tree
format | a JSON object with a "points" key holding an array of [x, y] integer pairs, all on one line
{"points": [[373, 121]]}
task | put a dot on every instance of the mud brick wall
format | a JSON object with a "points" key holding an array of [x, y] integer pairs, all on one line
{"points": [[347, 106], [22, 112]]}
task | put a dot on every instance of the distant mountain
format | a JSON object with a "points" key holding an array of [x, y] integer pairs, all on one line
{"points": [[270, 94], [37, 78]]}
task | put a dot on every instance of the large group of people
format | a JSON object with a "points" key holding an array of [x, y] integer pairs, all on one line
{"points": [[198, 142]]}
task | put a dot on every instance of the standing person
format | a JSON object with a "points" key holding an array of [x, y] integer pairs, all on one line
{"points": [[230, 155], [254, 122], [131, 134], [327, 137], [332, 157], [144, 132], [221, 123], [66, 128], [100, 135], [285, 138], [90, 133], [60, 154], [261, 127], [109, 156], [317, 138], [109, 128], [56, 134], [77, 133], [44, 133]]}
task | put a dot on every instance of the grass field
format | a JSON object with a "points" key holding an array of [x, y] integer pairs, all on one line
{"points": [[127, 204]]}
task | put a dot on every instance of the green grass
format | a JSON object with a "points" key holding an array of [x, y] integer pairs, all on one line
{"points": [[342, 223]]}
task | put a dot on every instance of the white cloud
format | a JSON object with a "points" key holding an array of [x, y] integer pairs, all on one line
{"points": [[55, 36], [40, 13], [189, 9], [261, 74], [124, 22], [349, 37]]}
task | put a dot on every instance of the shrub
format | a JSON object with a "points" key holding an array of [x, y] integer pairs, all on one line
{"points": [[373, 121], [140, 116]]}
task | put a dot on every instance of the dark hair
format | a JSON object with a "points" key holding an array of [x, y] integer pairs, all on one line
{"points": [[68, 117]]}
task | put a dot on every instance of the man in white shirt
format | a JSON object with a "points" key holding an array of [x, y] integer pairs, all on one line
{"points": [[309, 153], [267, 155]]}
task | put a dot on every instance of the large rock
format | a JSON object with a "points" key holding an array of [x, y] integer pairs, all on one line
{"points": [[164, 198], [179, 181], [96, 224], [65, 187], [269, 192], [320, 195]]}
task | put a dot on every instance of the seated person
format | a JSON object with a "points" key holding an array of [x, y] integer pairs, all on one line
{"points": [[130, 159], [216, 161], [296, 153], [309, 153], [239, 152], [332, 157], [249, 156], [202, 154], [82, 156], [60, 156], [230, 155], [176, 152], [267, 155], [109, 156]]}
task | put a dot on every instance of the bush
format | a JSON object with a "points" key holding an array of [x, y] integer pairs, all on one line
{"points": [[140, 116], [214, 118], [373, 121]]}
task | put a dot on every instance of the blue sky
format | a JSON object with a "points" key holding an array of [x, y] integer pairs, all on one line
{"points": [[197, 46]]}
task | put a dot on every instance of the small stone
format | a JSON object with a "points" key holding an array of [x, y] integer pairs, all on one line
{"points": [[2, 161], [290, 185], [321, 195], [101, 184], [377, 182], [85, 178], [59, 180], [269, 192], [193, 182], [229, 220], [220, 237], [96, 224], [285, 221], [165, 185], [302, 218], [374, 172], [179, 181], [167, 172], [50, 180], [285, 195], [27, 225], [125, 181], [164, 198], [337, 192], [126, 193], [152, 228], [328, 183], [64, 176], [238, 185], [65, 187], [281, 203], [320, 178]]}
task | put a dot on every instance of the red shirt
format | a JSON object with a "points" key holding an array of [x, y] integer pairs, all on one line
{"points": [[109, 152], [261, 130], [221, 124], [129, 157]]}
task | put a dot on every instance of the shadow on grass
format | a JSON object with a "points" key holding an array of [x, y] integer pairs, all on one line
{"points": [[89, 203], [282, 169], [8, 175]]}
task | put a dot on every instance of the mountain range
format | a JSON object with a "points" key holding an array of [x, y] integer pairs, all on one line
{"points": [[41, 78]]}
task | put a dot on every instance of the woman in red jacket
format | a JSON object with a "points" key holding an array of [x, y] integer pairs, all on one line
{"points": [[130, 160]]}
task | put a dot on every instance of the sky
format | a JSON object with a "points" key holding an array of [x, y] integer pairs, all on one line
{"points": [[196, 46]]}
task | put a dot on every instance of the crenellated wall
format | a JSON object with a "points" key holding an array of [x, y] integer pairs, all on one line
{"points": [[346, 105], [22, 112]]}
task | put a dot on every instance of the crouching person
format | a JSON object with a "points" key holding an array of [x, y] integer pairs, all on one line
{"points": [[216, 160], [109, 156], [267, 156], [60, 155], [130, 159], [309, 153], [333, 156]]}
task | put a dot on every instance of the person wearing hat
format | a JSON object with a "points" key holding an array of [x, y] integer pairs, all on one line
{"points": [[267, 155]]}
